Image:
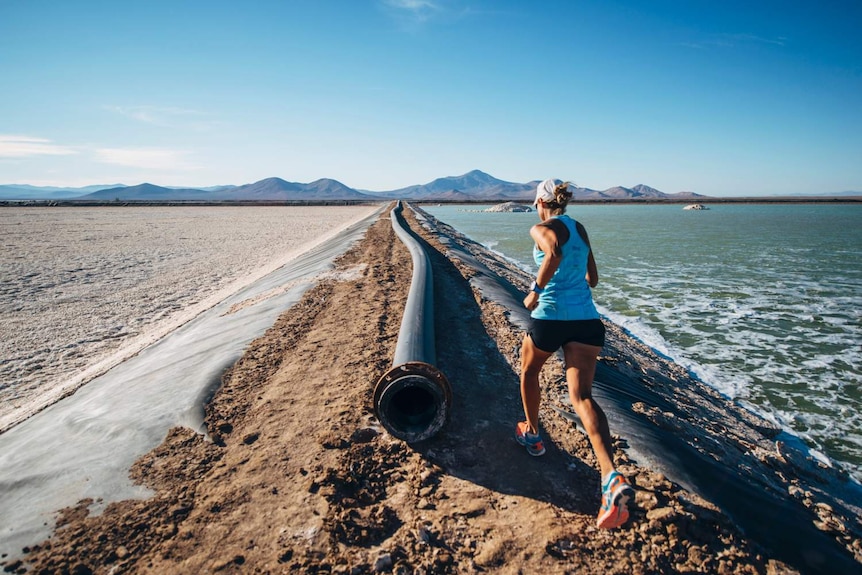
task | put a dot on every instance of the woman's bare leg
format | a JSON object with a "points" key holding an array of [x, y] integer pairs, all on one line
{"points": [[532, 360], [580, 370]]}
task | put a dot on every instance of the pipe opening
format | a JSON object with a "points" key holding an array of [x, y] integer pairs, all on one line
{"points": [[412, 407]]}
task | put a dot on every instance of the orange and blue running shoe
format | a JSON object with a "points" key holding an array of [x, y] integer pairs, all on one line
{"points": [[616, 493], [532, 441]]}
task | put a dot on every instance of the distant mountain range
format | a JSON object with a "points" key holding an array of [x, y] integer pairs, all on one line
{"points": [[472, 186], [27, 192]]}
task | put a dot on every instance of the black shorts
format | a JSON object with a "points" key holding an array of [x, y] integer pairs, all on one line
{"points": [[550, 334]]}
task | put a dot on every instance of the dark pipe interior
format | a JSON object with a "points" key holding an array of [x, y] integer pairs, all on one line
{"points": [[412, 408]]}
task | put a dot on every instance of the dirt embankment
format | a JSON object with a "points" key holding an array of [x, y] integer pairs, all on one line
{"points": [[301, 478]]}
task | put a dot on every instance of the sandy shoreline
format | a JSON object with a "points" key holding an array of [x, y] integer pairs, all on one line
{"points": [[301, 478], [86, 288]]}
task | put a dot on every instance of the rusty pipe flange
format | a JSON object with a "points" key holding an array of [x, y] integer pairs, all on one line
{"points": [[412, 401]]}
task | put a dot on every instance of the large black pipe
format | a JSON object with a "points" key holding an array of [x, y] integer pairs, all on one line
{"points": [[412, 400]]}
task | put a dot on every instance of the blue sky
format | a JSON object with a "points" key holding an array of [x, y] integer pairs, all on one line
{"points": [[720, 98]]}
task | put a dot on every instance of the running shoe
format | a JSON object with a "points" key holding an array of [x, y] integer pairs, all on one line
{"points": [[532, 441], [616, 493]]}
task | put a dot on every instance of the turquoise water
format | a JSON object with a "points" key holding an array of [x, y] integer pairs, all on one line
{"points": [[763, 302]]}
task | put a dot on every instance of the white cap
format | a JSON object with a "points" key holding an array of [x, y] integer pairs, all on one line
{"points": [[545, 191]]}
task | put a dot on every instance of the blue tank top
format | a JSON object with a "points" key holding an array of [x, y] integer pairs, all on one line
{"points": [[567, 296]]}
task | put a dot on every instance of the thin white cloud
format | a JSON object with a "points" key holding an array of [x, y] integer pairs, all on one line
{"points": [[147, 158], [12, 146], [415, 14], [158, 115], [733, 41], [413, 4], [754, 39], [415, 10]]}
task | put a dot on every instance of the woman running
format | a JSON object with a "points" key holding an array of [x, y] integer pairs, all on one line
{"points": [[564, 315]]}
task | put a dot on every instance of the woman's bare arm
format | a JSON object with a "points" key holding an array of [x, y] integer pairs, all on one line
{"points": [[592, 270], [546, 240]]}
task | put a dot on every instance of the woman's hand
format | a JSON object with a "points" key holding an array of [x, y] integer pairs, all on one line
{"points": [[531, 301]]}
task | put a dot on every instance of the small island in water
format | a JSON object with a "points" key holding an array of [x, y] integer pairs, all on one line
{"points": [[509, 207]]}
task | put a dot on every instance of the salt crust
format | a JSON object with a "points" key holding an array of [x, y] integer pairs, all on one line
{"points": [[84, 288]]}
